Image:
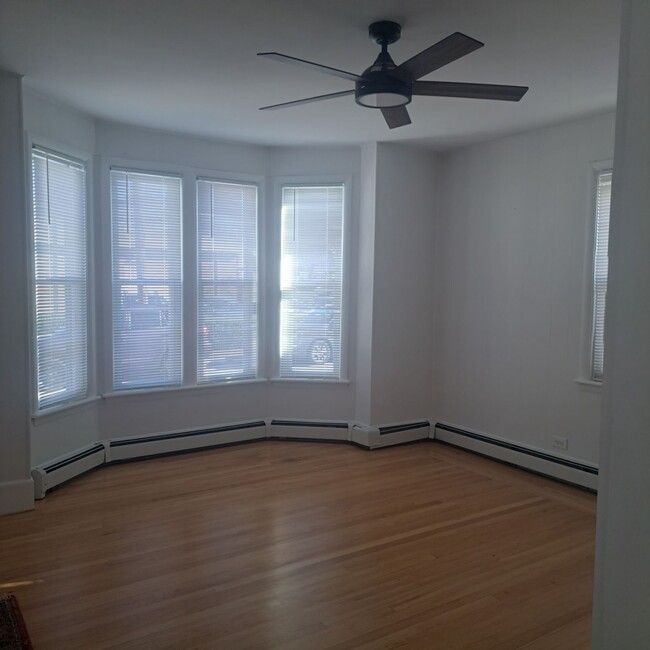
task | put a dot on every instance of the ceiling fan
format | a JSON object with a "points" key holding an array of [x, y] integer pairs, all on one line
{"points": [[390, 87]]}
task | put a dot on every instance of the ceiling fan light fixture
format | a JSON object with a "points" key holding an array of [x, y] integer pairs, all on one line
{"points": [[382, 93]]}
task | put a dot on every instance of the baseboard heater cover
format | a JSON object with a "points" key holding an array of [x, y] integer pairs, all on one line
{"points": [[66, 467], [179, 441], [564, 469], [309, 430], [398, 434]]}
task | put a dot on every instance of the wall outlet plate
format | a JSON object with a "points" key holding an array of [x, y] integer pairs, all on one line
{"points": [[560, 443]]}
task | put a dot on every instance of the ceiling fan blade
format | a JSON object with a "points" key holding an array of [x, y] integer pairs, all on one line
{"points": [[396, 116], [308, 100], [284, 58], [445, 51], [473, 91]]}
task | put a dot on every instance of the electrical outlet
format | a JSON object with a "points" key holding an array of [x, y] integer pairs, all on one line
{"points": [[560, 443]]}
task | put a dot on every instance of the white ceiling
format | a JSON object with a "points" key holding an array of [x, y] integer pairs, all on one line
{"points": [[190, 65]]}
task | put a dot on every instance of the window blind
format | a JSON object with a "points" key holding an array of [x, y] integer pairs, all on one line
{"points": [[60, 271], [227, 281], [146, 261], [603, 202], [311, 268]]}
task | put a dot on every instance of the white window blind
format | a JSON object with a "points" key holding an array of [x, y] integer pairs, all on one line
{"points": [[60, 271], [227, 281], [146, 238], [311, 268], [603, 202]]}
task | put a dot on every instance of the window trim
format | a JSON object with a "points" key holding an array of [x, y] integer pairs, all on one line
{"points": [[273, 292], [35, 140]]}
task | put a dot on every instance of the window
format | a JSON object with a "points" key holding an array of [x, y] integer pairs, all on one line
{"points": [[147, 312], [311, 280], [603, 200], [60, 270], [227, 281]]}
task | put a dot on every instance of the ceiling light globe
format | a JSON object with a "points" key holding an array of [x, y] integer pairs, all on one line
{"points": [[380, 91]]}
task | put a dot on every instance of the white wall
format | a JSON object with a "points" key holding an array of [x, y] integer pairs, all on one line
{"points": [[365, 279], [622, 578], [511, 281], [46, 121], [402, 321], [123, 141], [16, 490]]}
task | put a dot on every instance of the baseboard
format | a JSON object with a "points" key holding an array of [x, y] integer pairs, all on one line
{"points": [[16, 496], [564, 469]]}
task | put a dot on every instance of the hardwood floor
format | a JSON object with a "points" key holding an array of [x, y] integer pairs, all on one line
{"points": [[302, 545]]}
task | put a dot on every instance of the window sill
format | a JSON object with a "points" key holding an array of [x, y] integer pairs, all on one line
{"points": [[590, 385], [63, 410], [308, 380], [166, 390]]}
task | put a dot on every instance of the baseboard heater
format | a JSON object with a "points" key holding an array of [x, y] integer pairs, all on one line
{"points": [[175, 442], [398, 434], [64, 468], [309, 430], [564, 469]]}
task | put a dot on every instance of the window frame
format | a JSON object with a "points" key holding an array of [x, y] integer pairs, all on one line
{"points": [[181, 282], [586, 376], [273, 289], [592, 339], [231, 179], [44, 143]]}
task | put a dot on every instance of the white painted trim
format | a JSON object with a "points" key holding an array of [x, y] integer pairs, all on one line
{"points": [[164, 391], [63, 410], [16, 496], [590, 385], [308, 380]]}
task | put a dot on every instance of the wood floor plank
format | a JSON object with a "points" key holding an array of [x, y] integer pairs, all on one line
{"points": [[297, 545]]}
